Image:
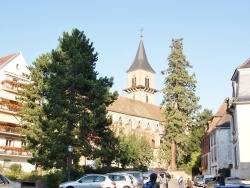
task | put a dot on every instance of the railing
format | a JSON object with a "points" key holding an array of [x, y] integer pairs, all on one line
{"points": [[10, 129], [17, 153]]}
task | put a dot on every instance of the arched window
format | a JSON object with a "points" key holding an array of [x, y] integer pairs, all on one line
{"points": [[146, 82], [134, 81]]}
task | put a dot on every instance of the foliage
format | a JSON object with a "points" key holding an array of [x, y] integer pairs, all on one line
{"points": [[134, 150], [194, 141], [16, 168], [106, 148], [164, 154], [179, 101], [65, 103]]}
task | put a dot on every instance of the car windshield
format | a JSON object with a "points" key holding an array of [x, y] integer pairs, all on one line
{"points": [[199, 178], [208, 180]]}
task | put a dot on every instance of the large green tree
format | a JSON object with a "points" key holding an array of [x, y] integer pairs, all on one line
{"points": [[134, 150], [196, 133], [179, 101], [65, 103]]}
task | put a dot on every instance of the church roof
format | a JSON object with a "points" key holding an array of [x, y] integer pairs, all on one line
{"points": [[141, 61], [135, 108], [5, 59]]}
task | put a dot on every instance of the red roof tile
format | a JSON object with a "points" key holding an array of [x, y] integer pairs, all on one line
{"points": [[5, 59]]}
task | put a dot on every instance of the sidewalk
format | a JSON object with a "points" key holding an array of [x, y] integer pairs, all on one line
{"points": [[173, 183]]}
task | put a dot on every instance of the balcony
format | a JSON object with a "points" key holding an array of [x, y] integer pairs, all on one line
{"points": [[9, 105], [12, 86], [14, 151], [10, 128]]}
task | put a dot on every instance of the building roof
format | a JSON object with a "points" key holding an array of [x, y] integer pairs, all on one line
{"points": [[245, 65], [136, 108], [219, 117], [141, 61], [5, 59]]}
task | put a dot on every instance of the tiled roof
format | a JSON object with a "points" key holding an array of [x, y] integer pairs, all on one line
{"points": [[136, 108], [141, 61], [5, 59], [220, 117]]}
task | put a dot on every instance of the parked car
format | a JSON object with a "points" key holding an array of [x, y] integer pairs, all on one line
{"points": [[206, 179], [122, 180], [90, 180], [220, 180], [198, 180], [6, 182], [137, 174]]}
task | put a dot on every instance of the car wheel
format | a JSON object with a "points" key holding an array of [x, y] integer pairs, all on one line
{"points": [[70, 187], [126, 187]]}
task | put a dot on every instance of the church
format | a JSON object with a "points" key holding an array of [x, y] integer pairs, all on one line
{"points": [[137, 112]]}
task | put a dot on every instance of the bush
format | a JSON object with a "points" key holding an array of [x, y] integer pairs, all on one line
{"points": [[16, 168]]}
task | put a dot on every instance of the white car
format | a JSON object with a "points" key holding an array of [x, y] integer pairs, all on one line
{"points": [[123, 180], [5, 182], [90, 180]]}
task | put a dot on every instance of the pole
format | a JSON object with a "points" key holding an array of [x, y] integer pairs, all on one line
{"points": [[69, 165]]}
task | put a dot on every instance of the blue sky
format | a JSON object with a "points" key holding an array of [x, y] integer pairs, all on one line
{"points": [[216, 36]]}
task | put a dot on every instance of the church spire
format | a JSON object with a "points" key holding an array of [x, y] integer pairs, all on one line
{"points": [[141, 61], [140, 77]]}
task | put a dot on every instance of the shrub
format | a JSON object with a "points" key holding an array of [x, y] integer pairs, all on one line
{"points": [[16, 168]]}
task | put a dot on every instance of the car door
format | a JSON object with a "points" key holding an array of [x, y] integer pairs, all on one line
{"points": [[98, 182], [86, 181]]}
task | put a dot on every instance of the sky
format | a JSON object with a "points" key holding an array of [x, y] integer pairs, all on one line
{"points": [[216, 36]]}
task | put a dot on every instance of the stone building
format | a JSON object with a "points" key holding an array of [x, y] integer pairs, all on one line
{"points": [[137, 112]]}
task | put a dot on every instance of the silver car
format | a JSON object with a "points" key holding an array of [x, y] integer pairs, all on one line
{"points": [[90, 181], [6, 183]]}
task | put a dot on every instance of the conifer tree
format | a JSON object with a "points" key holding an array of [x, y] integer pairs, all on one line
{"points": [[65, 103], [179, 102]]}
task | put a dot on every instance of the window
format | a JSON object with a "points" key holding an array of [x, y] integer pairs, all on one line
{"points": [[146, 82], [8, 142], [17, 66], [23, 143], [134, 81], [146, 98], [6, 163]]}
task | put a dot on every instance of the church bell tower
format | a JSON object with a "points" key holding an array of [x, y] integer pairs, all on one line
{"points": [[141, 78]]}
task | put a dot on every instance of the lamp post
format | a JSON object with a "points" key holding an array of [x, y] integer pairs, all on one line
{"points": [[70, 150]]}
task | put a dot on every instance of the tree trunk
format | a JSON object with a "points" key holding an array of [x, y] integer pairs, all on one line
{"points": [[173, 165]]}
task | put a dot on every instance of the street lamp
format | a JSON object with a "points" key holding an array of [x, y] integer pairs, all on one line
{"points": [[70, 150]]}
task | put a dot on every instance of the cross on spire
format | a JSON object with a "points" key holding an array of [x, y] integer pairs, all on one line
{"points": [[141, 31]]}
